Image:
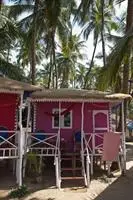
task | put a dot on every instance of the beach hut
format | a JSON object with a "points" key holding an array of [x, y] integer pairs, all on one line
{"points": [[69, 125], [11, 130]]}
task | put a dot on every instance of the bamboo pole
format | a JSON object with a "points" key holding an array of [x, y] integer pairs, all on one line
{"points": [[123, 140], [20, 147]]}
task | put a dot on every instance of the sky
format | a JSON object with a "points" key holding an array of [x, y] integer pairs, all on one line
{"points": [[11, 2]]}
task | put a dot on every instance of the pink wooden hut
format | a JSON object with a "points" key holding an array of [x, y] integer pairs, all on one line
{"points": [[11, 130], [69, 124]]}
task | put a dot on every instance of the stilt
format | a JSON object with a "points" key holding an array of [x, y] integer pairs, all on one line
{"points": [[57, 172], [20, 145], [88, 170], [17, 173], [24, 165], [123, 142], [108, 164], [92, 165], [14, 166]]}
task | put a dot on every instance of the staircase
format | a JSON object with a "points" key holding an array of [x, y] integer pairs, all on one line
{"points": [[71, 167]]}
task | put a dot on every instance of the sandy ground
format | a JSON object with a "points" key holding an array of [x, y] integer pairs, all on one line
{"points": [[102, 188]]}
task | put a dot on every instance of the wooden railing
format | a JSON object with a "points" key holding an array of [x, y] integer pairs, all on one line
{"points": [[9, 144], [43, 144], [94, 142]]}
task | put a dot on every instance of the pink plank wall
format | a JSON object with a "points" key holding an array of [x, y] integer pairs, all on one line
{"points": [[44, 121]]}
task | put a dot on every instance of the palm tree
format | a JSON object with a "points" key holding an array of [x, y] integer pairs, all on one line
{"points": [[8, 34], [99, 21], [68, 59], [120, 57], [43, 22], [80, 76]]}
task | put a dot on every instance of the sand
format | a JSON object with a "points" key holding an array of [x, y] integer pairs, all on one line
{"points": [[102, 188]]}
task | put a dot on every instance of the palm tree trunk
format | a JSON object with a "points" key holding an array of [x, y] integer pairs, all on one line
{"points": [[8, 54], [129, 24], [129, 19], [50, 70], [102, 33], [91, 64], [33, 44], [1, 1], [54, 60]]}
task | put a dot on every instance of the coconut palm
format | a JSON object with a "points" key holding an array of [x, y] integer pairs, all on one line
{"points": [[68, 59], [80, 75], [98, 20], [44, 20], [120, 58], [8, 34]]}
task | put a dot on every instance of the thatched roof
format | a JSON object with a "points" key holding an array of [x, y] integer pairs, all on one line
{"points": [[13, 85], [77, 94]]}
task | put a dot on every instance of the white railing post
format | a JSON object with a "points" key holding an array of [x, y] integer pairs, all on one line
{"points": [[93, 151], [26, 136], [59, 140], [123, 139], [57, 172], [88, 169], [20, 147], [28, 121], [82, 143]]}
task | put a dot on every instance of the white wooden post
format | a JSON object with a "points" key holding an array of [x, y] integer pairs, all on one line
{"points": [[93, 151], [28, 117], [82, 127], [88, 171], [82, 147], [26, 138], [59, 123], [109, 119], [57, 156], [20, 145], [57, 172], [123, 140]]}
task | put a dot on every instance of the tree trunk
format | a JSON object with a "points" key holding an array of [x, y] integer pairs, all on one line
{"points": [[129, 18], [91, 64], [1, 1], [50, 70], [54, 60], [102, 33], [8, 54], [33, 44], [129, 24]]}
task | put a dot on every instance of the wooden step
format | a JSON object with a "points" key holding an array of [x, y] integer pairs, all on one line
{"points": [[70, 158], [71, 154], [72, 178], [70, 169]]}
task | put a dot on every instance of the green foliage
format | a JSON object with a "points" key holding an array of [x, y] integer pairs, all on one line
{"points": [[56, 44], [12, 71], [18, 192], [32, 164], [130, 110]]}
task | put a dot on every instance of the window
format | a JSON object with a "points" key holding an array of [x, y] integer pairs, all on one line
{"points": [[100, 120], [65, 121]]}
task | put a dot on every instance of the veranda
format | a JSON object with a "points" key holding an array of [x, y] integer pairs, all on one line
{"points": [[70, 125], [11, 130]]}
